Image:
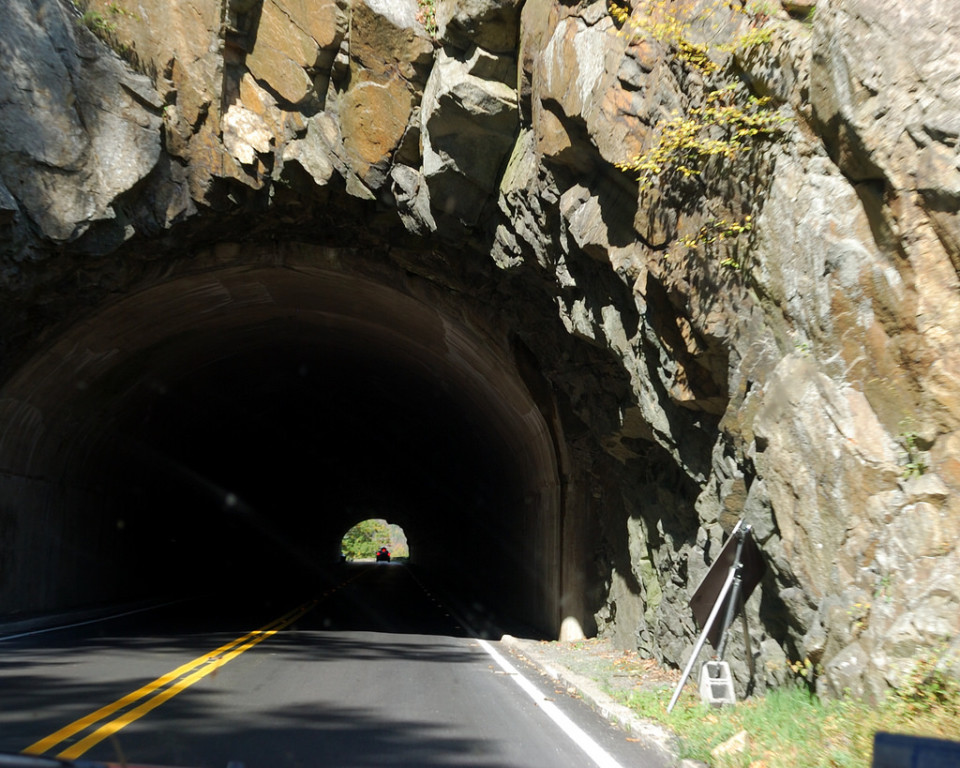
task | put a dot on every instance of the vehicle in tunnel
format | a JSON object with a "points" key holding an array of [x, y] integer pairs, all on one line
{"points": [[383, 555]]}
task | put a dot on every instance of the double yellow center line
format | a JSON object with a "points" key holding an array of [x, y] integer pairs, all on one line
{"points": [[152, 695]]}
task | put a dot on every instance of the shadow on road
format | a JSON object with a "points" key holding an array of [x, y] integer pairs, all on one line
{"points": [[377, 622]]}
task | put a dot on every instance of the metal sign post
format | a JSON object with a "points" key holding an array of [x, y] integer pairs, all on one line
{"points": [[700, 641], [744, 566]]}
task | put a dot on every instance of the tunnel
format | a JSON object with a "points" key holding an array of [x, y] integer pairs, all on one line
{"points": [[226, 425]]}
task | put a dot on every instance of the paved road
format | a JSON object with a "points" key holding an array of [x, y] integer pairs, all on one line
{"points": [[371, 671]]}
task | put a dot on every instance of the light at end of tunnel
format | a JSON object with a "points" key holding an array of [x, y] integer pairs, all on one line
{"points": [[570, 630]]}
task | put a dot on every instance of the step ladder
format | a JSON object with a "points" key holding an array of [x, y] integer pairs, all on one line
{"points": [[716, 684]]}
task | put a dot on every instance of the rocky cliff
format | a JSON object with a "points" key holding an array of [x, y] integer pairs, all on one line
{"points": [[725, 235]]}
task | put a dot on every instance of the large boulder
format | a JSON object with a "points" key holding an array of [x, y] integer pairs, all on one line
{"points": [[292, 41], [493, 25], [80, 129], [469, 122]]}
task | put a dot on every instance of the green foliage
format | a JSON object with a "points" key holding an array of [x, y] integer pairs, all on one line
{"points": [[104, 25], [365, 538], [97, 23], [928, 689], [791, 727], [755, 37], [398, 542], [115, 9], [914, 463], [759, 10], [427, 16]]}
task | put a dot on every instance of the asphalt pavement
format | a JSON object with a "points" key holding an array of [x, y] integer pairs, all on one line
{"points": [[371, 670]]}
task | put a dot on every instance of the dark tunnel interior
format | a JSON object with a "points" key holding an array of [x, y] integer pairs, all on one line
{"points": [[187, 444], [268, 456]]}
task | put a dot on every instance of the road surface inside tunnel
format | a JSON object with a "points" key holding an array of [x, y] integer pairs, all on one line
{"points": [[371, 670]]}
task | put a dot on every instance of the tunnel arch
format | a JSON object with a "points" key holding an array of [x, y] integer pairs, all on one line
{"points": [[133, 430]]}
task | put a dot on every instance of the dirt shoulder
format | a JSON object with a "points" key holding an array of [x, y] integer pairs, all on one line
{"points": [[603, 676]]}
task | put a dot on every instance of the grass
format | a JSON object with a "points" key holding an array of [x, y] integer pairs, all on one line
{"points": [[790, 727]]}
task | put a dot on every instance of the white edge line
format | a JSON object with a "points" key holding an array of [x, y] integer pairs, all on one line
{"points": [[593, 750], [57, 628]]}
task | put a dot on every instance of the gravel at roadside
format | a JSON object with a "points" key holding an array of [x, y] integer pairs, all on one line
{"points": [[594, 669]]}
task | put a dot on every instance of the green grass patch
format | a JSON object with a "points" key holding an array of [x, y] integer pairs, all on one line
{"points": [[790, 727]]}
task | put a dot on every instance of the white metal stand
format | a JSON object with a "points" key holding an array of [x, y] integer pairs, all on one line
{"points": [[732, 583]]}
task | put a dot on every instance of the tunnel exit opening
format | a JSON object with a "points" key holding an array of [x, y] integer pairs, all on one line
{"points": [[369, 537]]}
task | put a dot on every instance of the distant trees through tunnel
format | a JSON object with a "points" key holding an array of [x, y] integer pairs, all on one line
{"points": [[366, 538]]}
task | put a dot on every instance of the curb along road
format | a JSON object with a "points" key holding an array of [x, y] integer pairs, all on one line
{"points": [[652, 734]]}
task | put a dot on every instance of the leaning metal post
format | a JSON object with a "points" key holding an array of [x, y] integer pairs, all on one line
{"points": [[702, 639], [734, 603], [733, 577]]}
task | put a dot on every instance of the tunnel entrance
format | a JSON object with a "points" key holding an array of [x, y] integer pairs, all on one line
{"points": [[366, 538], [232, 421]]}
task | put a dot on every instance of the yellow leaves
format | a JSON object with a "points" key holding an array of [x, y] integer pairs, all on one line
{"points": [[716, 231], [806, 669], [723, 127], [726, 122], [665, 22], [660, 23], [720, 128], [755, 37], [620, 13], [697, 55]]}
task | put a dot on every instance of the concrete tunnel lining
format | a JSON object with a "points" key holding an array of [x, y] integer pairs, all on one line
{"points": [[60, 412]]}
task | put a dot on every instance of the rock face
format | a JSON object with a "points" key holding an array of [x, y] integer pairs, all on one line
{"points": [[54, 139], [771, 336]]}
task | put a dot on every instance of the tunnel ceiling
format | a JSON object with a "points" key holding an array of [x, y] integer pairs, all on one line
{"points": [[259, 335]]}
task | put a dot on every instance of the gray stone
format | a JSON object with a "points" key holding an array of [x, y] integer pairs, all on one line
{"points": [[8, 205], [845, 673], [312, 153], [412, 199], [469, 127], [77, 135], [489, 24]]}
